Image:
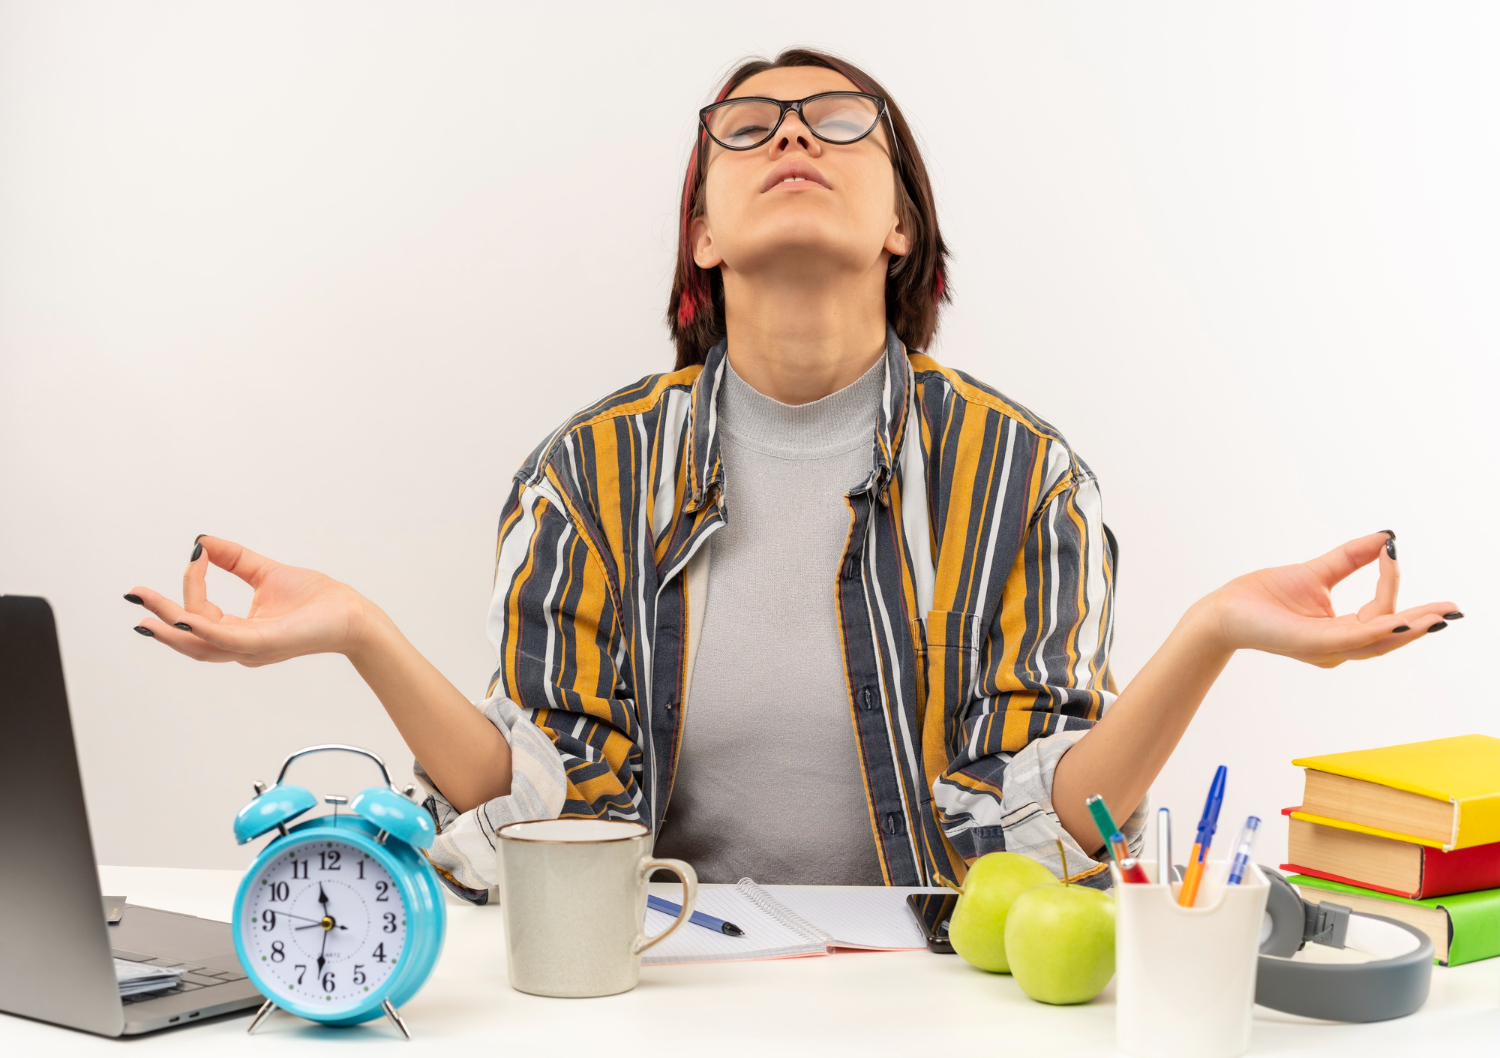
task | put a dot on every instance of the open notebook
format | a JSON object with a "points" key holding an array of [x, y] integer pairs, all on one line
{"points": [[790, 921]]}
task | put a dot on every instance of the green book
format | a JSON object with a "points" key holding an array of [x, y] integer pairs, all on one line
{"points": [[1464, 927]]}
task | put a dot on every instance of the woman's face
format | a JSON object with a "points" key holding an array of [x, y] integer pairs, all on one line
{"points": [[842, 215]]}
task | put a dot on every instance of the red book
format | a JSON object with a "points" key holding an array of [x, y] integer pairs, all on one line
{"points": [[1401, 868]]}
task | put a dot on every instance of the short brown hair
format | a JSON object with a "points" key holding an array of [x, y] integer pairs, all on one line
{"points": [[915, 286]]}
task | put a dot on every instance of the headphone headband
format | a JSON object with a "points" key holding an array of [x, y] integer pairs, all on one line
{"points": [[1393, 983]]}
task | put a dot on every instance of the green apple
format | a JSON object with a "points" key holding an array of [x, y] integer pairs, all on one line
{"points": [[996, 879], [1061, 942]]}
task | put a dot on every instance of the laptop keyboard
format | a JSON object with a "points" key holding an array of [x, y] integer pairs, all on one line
{"points": [[193, 977]]}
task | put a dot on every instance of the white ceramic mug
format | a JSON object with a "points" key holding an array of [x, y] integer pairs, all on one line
{"points": [[574, 894]]}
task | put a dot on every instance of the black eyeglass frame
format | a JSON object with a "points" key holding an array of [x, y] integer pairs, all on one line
{"points": [[797, 105]]}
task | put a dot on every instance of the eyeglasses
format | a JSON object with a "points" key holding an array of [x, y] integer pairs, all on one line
{"points": [[833, 117]]}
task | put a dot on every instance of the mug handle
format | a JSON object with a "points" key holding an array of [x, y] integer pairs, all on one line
{"points": [[689, 879]]}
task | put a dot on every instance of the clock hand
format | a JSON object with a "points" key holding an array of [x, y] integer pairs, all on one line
{"points": [[318, 925], [322, 899], [302, 918]]}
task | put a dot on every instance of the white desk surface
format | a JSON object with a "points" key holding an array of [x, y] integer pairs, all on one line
{"points": [[851, 1003]]}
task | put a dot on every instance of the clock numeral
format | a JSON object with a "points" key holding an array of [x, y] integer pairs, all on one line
{"points": [[361, 870], [390, 923], [329, 861], [299, 870], [301, 969], [280, 891], [379, 953], [328, 981], [381, 888], [359, 973], [269, 918], [278, 952]]}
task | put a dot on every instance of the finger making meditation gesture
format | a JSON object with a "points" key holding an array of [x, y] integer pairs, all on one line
{"points": [[1288, 610], [293, 611], [297, 611]]}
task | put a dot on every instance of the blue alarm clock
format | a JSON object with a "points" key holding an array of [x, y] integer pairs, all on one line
{"points": [[340, 918]]}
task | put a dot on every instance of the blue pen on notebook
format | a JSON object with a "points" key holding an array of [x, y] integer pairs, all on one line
{"points": [[1242, 846], [697, 918]]}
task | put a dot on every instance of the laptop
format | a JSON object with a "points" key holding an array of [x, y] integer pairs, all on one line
{"points": [[57, 950]]}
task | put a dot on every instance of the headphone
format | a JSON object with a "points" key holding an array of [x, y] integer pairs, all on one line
{"points": [[1391, 983]]}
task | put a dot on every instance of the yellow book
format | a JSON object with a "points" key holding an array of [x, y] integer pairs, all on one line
{"points": [[1444, 792]]}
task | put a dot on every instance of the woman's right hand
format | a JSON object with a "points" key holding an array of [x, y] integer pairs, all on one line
{"points": [[294, 611]]}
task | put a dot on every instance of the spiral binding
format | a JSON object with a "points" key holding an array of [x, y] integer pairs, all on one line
{"points": [[781, 913]]}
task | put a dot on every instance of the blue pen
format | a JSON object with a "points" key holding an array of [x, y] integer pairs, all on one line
{"points": [[1206, 827], [1164, 846], [1242, 846], [697, 918]]}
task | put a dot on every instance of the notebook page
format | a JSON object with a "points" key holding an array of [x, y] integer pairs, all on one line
{"points": [[872, 917], [765, 937]]}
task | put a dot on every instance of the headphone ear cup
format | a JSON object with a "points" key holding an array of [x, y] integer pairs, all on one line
{"points": [[1286, 921]]}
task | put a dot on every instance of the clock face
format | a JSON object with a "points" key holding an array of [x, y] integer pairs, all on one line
{"points": [[324, 926]]}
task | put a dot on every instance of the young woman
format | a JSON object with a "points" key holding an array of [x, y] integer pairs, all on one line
{"points": [[812, 606]]}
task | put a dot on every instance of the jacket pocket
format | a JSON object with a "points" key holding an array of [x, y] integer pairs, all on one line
{"points": [[951, 630], [948, 648]]}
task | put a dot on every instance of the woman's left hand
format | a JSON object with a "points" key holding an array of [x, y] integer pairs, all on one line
{"points": [[1287, 609]]}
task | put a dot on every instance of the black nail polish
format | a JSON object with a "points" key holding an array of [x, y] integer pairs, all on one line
{"points": [[179, 624], [143, 630], [198, 550], [1390, 533], [1401, 628], [1454, 616], [1390, 548], [1438, 627], [131, 597]]}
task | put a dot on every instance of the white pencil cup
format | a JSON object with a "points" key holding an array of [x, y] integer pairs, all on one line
{"points": [[1185, 981]]}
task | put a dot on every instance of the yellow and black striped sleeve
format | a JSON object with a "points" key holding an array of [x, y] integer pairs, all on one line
{"points": [[555, 624]]}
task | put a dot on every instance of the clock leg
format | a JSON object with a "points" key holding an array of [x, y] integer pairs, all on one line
{"points": [[260, 1015], [390, 1012]]}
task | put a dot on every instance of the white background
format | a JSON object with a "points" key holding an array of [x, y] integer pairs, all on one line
{"points": [[318, 276]]}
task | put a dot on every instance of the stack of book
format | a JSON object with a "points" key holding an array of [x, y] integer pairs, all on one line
{"points": [[1411, 832]]}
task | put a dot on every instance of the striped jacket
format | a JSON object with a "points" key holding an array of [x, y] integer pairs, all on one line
{"points": [[974, 600]]}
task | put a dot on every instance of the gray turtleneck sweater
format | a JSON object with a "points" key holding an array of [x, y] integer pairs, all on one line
{"points": [[768, 779]]}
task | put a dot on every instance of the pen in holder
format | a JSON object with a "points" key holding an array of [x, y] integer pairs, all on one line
{"points": [[1185, 980]]}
